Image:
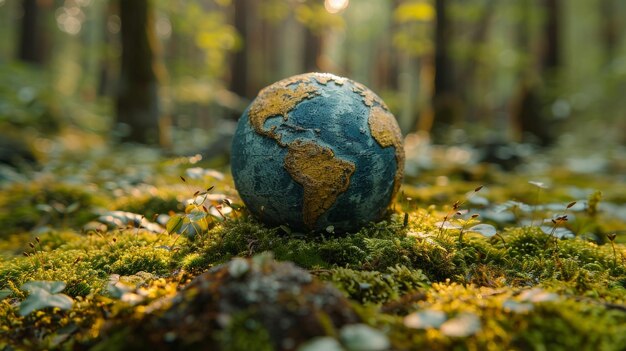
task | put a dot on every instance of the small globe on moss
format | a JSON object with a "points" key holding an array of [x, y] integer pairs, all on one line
{"points": [[317, 152]]}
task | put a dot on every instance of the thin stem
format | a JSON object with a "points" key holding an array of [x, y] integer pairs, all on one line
{"points": [[532, 220], [614, 254], [501, 238]]}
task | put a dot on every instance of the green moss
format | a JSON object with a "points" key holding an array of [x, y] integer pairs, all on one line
{"points": [[80, 277], [146, 259], [148, 205], [376, 247], [85, 262], [23, 206], [580, 266], [559, 324], [388, 269], [376, 287], [194, 262]]}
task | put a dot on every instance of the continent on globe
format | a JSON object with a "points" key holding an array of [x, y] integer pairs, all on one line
{"points": [[317, 150]]}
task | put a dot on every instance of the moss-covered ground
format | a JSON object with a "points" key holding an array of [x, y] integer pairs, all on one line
{"points": [[546, 270]]}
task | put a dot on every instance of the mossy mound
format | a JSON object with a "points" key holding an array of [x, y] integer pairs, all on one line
{"points": [[549, 272], [505, 319], [26, 206], [246, 304]]}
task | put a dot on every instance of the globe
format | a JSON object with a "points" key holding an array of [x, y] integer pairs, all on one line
{"points": [[317, 152]]}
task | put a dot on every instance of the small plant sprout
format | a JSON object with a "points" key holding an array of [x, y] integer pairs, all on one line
{"points": [[592, 203], [195, 220], [454, 211], [539, 185], [405, 223], [557, 223], [136, 223], [36, 252], [464, 224], [611, 238], [218, 208]]}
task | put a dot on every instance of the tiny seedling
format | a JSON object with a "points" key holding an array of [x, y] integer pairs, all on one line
{"points": [[539, 185], [557, 222], [37, 250], [454, 211], [195, 219], [611, 238], [465, 224]]}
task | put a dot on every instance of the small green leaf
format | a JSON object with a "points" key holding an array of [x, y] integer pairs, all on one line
{"points": [[116, 288], [447, 225], [4, 293], [425, 319], [559, 232], [196, 215], [52, 287], [191, 229], [59, 207], [73, 207], [461, 326], [539, 185], [321, 343], [44, 208], [517, 307], [361, 337], [537, 295], [174, 224], [486, 230], [42, 295]]}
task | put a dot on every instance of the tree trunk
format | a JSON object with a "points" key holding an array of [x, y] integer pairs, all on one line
{"points": [[445, 100], [239, 67], [552, 32], [137, 100], [33, 41], [609, 28], [475, 108], [312, 50], [106, 78], [531, 112]]}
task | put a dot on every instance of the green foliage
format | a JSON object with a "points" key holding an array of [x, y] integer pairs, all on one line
{"points": [[147, 204], [211, 34], [25, 206], [377, 287], [147, 259], [316, 18], [586, 326], [413, 33], [510, 289], [27, 100], [44, 294], [85, 262]]}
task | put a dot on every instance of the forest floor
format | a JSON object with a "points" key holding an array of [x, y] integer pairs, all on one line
{"points": [[125, 248]]}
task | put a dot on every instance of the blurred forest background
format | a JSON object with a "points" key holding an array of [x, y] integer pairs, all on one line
{"points": [[179, 73]]}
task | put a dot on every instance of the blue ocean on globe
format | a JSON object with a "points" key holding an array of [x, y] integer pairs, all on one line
{"points": [[317, 152]]}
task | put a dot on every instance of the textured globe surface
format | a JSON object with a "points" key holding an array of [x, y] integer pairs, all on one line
{"points": [[317, 150]]}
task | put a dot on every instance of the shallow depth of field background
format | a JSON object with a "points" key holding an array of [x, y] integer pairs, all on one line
{"points": [[482, 72]]}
